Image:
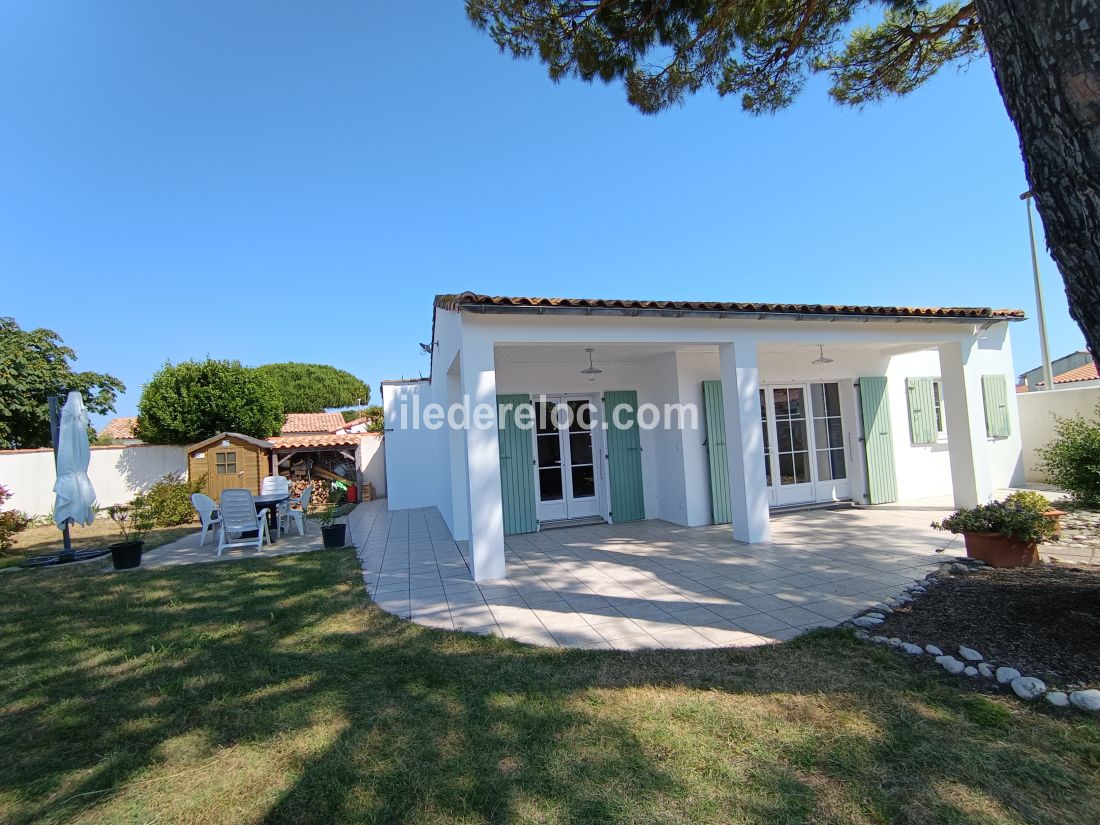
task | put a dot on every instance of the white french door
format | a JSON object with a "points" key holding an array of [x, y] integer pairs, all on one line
{"points": [[804, 455], [565, 458]]}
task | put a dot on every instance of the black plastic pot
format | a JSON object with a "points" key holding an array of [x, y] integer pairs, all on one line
{"points": [[334, 535], [126, 555]]}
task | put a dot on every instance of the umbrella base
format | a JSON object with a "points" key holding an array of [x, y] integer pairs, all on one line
{"points": [[60, 558]]}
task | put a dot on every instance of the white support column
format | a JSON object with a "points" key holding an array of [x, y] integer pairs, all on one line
{"points": [[479, 383], [966, 437], [744, 442]]}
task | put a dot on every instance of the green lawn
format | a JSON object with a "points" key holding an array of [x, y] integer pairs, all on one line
{"points": [[273, 691], [42, 539]]}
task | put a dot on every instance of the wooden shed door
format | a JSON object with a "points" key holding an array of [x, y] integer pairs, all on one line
{"points": [[225, 469]]}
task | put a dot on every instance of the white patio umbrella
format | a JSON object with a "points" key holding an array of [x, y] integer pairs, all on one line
{"points": [[75, 496]]}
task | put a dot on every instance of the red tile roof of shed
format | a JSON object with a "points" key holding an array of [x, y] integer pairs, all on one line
{"points": [[289, 442]]}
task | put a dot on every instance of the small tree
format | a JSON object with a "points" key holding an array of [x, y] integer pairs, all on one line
{"points": [[374, 415], [1071, 461], [188, 402], [35, 364], [306, 388]]}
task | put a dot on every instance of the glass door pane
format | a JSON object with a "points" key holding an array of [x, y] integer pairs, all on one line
{"points": [[767, 439], [792, 437], [828, 432], [548, 451], [582, 476]]}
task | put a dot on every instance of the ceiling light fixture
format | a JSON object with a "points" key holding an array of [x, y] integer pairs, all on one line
{"points": [[591, 370], [821, 360]]}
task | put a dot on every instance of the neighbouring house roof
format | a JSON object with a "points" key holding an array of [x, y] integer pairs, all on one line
{"points": [[353, 422], [121, 428], [474, 302], [297, 442], [255, 442], [312, 422], [1085, 372]]}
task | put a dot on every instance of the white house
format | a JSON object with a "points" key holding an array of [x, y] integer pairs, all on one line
{"points": [[695, 413]]}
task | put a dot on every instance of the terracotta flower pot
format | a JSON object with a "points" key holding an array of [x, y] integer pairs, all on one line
{"points": [[1056, 517], [1000, 551]]}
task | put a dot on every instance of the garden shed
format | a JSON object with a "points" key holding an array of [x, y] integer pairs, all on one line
{"points": [[229, 460]]}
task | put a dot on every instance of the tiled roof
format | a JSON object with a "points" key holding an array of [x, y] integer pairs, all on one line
{"points": [[287, 442], [256, 442], [1085, 372], [312, 422], [120, 428], [353, 422], [472, 300]]}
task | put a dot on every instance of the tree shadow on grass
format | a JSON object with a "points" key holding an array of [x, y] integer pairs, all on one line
{"points": [[270, 690]]}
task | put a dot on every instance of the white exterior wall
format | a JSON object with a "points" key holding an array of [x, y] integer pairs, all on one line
{"points": [[1037, 411], [372, 462], [410, 455], [117, 474]]}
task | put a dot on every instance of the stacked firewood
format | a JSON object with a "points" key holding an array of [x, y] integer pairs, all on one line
{"points": [[318, 498]]}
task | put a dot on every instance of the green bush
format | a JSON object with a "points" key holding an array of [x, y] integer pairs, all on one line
{"points": [[1030, 500], [169, 500], [1071, 461], [11, 521]]}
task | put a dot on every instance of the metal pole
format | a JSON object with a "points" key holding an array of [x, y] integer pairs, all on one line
{"points": [[54, 401], [1048, 373]]}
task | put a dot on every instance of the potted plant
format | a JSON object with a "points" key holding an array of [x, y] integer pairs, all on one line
{"points": [[134, 521], [333, 535], [1003, 533], [1030, 498]]}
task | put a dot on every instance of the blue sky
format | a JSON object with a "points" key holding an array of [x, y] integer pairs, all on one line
{"points": [[275, 181]]}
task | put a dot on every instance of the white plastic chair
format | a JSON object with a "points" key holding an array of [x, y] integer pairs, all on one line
{"points": [[299, 516], [238, 512], [274, 484], [277, 484], [208, 513]]}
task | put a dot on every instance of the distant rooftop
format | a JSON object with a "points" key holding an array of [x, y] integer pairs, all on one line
{"points": [[312, 423], [120, 428]]}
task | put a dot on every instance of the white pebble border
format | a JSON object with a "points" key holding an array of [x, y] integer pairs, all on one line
{"points": [[969, 661]]}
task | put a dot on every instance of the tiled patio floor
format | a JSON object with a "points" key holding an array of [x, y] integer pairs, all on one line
{"points": [[651, 584], [187, 550]]}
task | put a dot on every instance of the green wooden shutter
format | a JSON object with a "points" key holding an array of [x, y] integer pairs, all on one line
{"points": [[922, 410], [624, 457], [881, 477], [517, 474], [995, 397], [714, 411]]}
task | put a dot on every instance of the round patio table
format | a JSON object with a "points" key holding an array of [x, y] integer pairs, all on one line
{"points": [[272, 502]]}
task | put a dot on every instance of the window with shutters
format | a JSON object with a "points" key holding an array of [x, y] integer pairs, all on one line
{"points": [[927, 417]]}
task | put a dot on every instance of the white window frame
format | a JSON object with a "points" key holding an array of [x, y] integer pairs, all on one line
{"points": [[941, 410]]}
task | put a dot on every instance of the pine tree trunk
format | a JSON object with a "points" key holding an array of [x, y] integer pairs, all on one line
{"points": [[1046, 57]]}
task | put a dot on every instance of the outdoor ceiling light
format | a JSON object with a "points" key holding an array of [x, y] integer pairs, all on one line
{"points": [[821, 359], [591, 370]]}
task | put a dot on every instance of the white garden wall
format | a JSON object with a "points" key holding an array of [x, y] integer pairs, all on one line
{"points": [[117, 473], [1037, 412], [372, 462]]}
